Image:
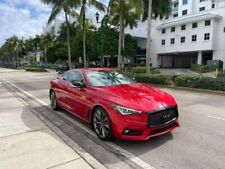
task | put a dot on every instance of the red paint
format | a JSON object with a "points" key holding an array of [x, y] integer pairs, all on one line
{"points": [[142, 97]]}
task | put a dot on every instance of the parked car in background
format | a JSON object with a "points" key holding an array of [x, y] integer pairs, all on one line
{"points": [[114, 104]]}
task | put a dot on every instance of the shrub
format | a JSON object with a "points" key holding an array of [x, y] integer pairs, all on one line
{"points": [[182, 81], [138, 70], [200, 82], [36, 69], [154, 79], [155, 71], [200, 68]]}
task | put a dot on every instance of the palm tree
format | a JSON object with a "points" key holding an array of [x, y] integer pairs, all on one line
{"points": [[67, 7], [156, 8], [46, 42], [98, 5], [124, 14]]}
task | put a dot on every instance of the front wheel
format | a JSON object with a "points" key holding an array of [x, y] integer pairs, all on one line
{"points": [[53, 101], [102, 124]]}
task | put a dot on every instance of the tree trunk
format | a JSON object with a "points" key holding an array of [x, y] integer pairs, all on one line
{"points": [[84, 39], [45, 53], [148, 48], [68, 41], [123, 46], [120, 63]]}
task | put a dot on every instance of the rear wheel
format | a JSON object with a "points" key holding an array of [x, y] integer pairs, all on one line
{"points": [[53, 101], [102, 124]]}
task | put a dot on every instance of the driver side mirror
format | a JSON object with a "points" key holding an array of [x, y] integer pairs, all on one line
{"points": [[79, 85]]}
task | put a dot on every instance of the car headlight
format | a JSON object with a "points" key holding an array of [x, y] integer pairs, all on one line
{"points": [[125, 110]]}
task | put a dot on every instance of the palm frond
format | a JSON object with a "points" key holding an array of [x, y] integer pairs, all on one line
{"points": [[55, 11], [98, 5]]}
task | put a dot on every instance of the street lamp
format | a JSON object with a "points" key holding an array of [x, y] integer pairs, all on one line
{"points": [[97, 15]]}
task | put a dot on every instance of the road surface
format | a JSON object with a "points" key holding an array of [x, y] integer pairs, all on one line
{"points": [[198, 144]]}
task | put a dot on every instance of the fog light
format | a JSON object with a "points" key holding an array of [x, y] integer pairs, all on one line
{"points": [[131, 132], [126, 131]]}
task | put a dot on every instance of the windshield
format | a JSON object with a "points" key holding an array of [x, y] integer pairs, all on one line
{"points": [[107, 78]]}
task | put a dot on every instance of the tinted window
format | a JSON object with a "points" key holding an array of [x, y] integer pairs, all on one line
{"points": [[73, 77], [107, 78]]}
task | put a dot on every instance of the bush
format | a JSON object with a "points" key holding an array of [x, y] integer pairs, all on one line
{"points": [[138, 70], [200, 82], [200, 68], [36, 69], [154, 79], [141, 70], [155, 71], [182, 81]]}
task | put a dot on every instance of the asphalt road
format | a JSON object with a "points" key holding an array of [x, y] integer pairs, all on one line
{"points": [[198, 144]]}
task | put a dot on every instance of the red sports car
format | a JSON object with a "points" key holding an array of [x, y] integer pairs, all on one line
{"points": [[114, 104]]}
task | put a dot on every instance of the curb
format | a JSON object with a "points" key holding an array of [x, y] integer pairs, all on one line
{"points": [[221, 93], [88, 158]]}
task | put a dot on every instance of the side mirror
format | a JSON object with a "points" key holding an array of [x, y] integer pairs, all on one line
{"points": [[79, 85]]}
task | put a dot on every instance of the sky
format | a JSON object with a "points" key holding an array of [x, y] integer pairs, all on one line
{"points": [[27, 18]]}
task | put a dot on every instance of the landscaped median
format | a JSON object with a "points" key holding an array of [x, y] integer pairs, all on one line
{"points": [[197, 82], [35, 69]]}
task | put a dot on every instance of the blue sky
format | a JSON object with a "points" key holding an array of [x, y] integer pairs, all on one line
{"points": [[26, 18]]}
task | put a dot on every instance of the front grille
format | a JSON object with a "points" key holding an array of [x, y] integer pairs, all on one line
{"points": [[162, 117]]}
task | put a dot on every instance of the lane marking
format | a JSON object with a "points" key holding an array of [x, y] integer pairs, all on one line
{"points": [[218, 118], [122, 151]]}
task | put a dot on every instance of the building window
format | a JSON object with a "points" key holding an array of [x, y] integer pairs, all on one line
{"points": [[185, 2], [207, 23], [183, 27], [163, 31], [213, 4], [194, 38], [163, 42], [184, 12], [172, 41], [173, 29], [202, 9], [194, 25], [202, 0], [224, 29], [175, 15], [207, 36], [182, 39]]}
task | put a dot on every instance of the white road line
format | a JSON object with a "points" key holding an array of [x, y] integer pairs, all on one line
{"points": [[122, 151], [218, 118]]}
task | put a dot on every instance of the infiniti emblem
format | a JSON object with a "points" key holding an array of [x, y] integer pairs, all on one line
{"points": [[166, 115]]}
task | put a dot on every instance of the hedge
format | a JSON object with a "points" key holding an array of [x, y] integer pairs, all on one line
{"points": [[36, 69], [200, 68], [141, 70], [183, 81]]}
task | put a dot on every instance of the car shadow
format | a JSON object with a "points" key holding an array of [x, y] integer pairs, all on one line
{"points": [[86, 139]]}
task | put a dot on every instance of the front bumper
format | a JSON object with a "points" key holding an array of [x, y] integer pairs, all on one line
{"points": [[136, 127]]}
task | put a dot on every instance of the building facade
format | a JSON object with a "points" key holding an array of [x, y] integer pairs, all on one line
{"points": [[193, 33]]}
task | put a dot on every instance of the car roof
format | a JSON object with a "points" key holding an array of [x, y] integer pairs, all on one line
{"points": [[95, 69]]}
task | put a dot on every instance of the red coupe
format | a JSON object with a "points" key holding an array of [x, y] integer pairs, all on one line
{"points": [[114, 104]]}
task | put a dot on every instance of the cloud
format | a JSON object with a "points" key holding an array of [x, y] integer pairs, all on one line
{"points": [[23, 18], [27, 18]]}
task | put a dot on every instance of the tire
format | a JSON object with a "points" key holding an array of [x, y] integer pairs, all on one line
{"points": [[102, 124], [53, 101]]}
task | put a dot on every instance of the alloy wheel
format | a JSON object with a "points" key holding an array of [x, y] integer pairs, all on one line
{"points": [[53, 100], [102, 124]]}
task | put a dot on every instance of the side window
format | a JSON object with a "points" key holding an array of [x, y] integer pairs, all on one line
{"points": [[75, 76], [65, 76]]}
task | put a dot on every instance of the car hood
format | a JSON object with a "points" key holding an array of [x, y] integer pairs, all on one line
{"points": [[138, 96]]}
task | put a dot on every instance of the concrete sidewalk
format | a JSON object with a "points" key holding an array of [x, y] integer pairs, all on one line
{"points": [[27, 143]]}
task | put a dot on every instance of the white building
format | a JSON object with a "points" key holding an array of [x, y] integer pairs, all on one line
{"points": [[193, 33]]}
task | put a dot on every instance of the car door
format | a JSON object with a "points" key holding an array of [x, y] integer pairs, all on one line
{"points": [[78, 97], [61, 91]]}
